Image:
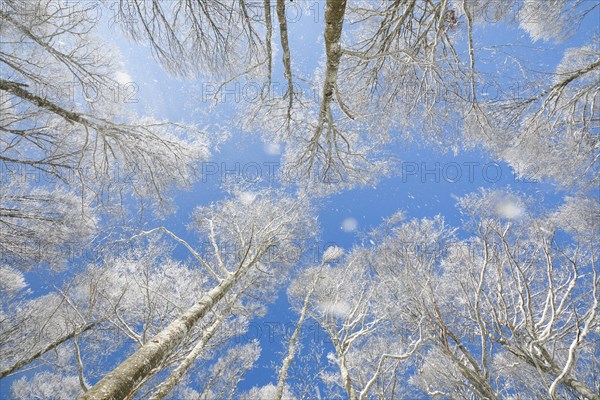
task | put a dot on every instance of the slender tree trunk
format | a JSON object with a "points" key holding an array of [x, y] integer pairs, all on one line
{"points": [[269, 28], [334, 21], [17, 89], [293, 343], [119, 383], [346, 381], [287, 63], [17, 366], [174, 378]]}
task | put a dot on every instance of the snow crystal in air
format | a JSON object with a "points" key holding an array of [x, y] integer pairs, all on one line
{"points": [[123, 78], [338, 309], [272, 149], [247, 197], [509, 209], [349, 225]]}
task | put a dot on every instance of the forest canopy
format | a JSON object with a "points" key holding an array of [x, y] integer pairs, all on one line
{"points": [[276, 199]]}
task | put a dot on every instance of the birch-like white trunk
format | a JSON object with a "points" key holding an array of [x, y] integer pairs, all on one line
{"points": [[293, 344], [119, 383], [18, 365], [174, 378], [346, 381], [334, 21]]}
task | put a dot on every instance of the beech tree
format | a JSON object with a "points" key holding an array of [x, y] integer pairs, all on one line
{"points": [[534, 283], [254, 234], [282, 390], [408, 65], [64, 122], [498, 301], [131, 297], [511, 308], [66, 78], [371, 327], [42, 225], [123, 299]]}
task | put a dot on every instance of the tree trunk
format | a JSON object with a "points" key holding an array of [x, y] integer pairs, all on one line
{"points": [[118, 383], [17, 89], [293, 343], [334, 21], [172, 380], [287, 63], [346, 381], [17, 366]]}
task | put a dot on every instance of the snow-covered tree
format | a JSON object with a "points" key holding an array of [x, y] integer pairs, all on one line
{"points": [[125, 298], [504, 305], [247, 240], [386, 66], [64, 123], [550, 133], [534, 297], [348, 301], [42, 225], [188, 38], [509, 308]]}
